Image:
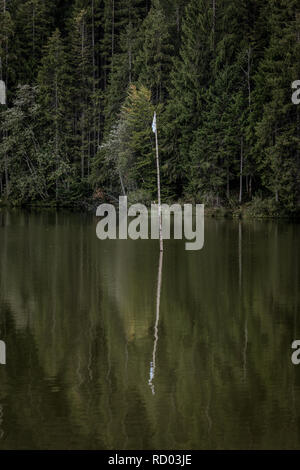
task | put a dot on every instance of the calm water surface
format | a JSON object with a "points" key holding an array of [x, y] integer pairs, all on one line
{"points": [[99, 357]]}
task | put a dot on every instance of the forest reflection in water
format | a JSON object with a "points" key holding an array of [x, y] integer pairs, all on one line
{"points": [[112, 346]]}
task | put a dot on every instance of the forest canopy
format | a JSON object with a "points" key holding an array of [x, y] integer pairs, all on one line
{"points": [[84, 77]]}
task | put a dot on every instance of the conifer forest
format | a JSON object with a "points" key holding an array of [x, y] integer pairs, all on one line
{"points": [[84, 77]]}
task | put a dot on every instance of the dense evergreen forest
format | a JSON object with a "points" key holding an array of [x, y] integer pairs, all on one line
{"points": [[84, 77]]}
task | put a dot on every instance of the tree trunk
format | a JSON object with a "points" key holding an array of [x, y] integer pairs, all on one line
{"points": [[56, 134], [228, 188], [248, 76], [94, 83], [82, 145], [33, 30], [112, 34], [83, 101], [177, 20], [4, 133], [158, 191], [214, 22], [6, 173], [121, 181], [129, 60]]}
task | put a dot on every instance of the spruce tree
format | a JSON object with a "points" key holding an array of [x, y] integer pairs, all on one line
{"points": [[277, 132], [53, 81], [190, 77]]}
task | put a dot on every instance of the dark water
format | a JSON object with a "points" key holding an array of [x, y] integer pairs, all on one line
{"points": [[81, 325]]}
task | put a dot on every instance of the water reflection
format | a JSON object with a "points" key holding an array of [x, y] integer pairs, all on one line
{"points": [[153, 363], [77, 317]]}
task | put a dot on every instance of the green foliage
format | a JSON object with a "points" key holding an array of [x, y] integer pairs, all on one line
{"points": [[153, 62], [128, 153], [22, 155], [218, 72]]}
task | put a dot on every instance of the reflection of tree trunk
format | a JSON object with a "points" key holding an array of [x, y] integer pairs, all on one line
{"points": [[240, 256], [1, 420], [241, 173], [241, 300], [245, 348], [152, 364], [158, 189]]}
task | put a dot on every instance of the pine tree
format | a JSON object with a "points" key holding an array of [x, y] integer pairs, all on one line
{"points": [[278, 136], [130, 15], [81, 89], [6, 49], [190, 78], [34, 22], [215, 154], [53, 81], [153, 63]]}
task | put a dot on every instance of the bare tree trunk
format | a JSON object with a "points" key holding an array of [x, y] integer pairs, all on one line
{"points": [[158, 190], [228, 188], [94, 82], [121, 181], [93, 44], [248, 75], [241, 173], [83, 101], [33, 30], [82, 145], [129, 60], [89, 154], [214, 22], [112, 34], [99, 129], [177, 20], [56, 134], [6, 173], [4, 132]]}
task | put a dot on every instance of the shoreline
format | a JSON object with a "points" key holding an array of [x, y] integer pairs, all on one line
{"points": [[218, 212]]}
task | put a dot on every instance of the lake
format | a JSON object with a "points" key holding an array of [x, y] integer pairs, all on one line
{"points": [[110, 346]]}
